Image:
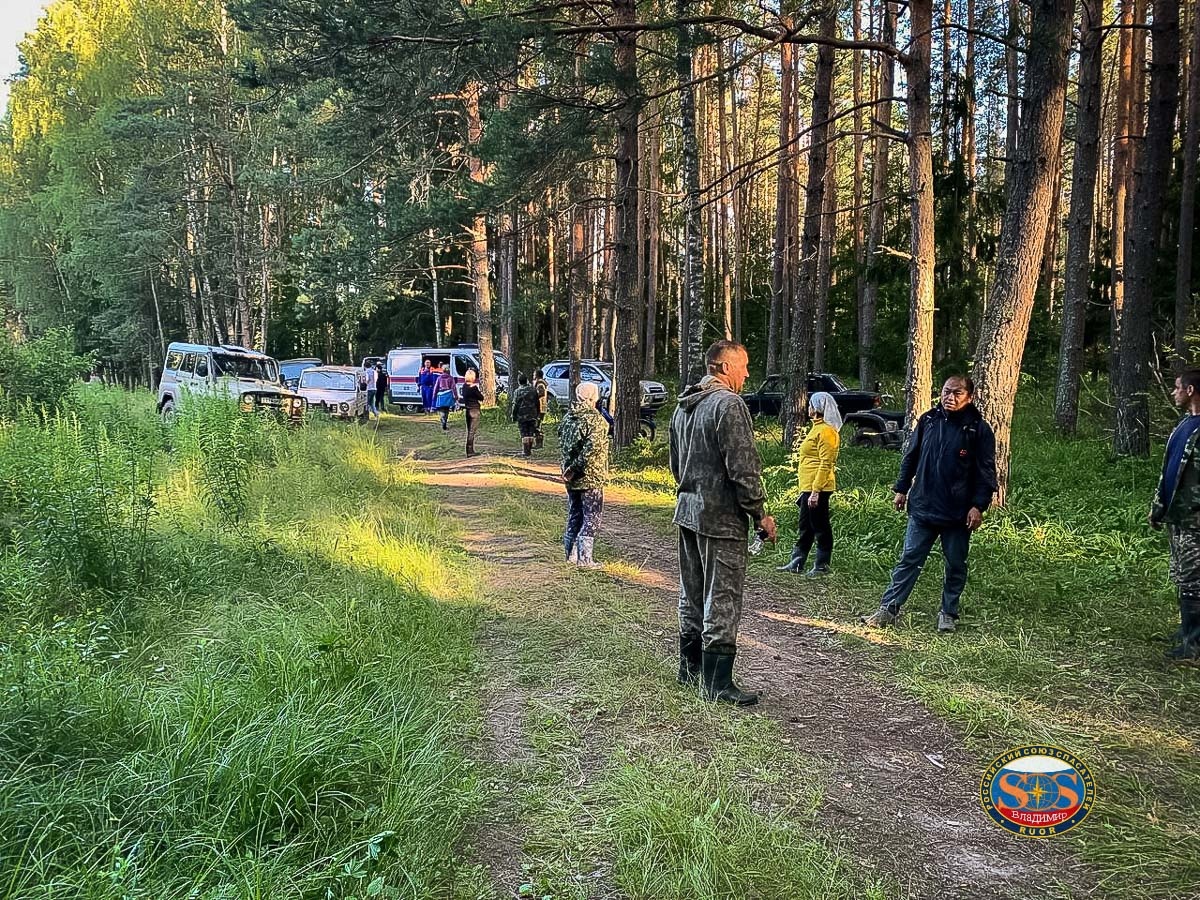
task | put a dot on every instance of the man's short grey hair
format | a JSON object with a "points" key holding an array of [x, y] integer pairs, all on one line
{"points": [[587, 393], [723, 351]]}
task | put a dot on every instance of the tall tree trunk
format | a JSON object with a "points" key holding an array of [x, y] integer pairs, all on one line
{"points": [[1026, 219], [627, 389], [506, 257], [1013, 80], [691, 308], [653, 224], [577, 283], [1187, 201], [1126, 128], [552, 274], [856, 216], [867, 311], [780, 265], [437, 306], [724, 208], [970, 163], [918, 380], [1080, 224], [825, 260], [795, 401], [1143, 239], [479, 251]]}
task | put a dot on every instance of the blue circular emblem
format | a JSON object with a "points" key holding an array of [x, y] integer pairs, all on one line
{"points": [[1037, 791]]}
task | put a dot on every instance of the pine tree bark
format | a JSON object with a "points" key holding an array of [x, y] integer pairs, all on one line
{"points": [[1187, 202], [691, 307], [868, 309], [918, 380], [724, 206], [1126, 130], [799, 355], [1013, 80], [480, 275], [856, 216], [1080, 223], [653, 206], [1144, 237], [780, 262], [1026, 220], [627, 389], [825, 260]]}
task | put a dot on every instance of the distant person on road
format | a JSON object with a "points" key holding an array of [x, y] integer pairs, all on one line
{"points": [[525, 412], [947, 479], [818, 455], [472, 401], [368, 380], [583, 454], [716, 465], [1177, 505], [381, 387], [543, 392], [427, 383], [445, 395]]}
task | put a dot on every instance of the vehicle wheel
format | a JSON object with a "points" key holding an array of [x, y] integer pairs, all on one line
{"points": [[647, 430], [167, 410], [864, 437]]}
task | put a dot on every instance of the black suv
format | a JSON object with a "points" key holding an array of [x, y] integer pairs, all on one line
{"points": [[768, 399]]}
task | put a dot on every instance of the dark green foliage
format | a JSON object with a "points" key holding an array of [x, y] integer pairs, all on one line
{"points": [[43, 372]]}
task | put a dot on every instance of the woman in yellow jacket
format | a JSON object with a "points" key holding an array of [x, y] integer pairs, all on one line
{"points": [[818, 479]]}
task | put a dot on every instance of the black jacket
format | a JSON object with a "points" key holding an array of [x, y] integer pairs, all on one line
{"points": [[949, 466]]}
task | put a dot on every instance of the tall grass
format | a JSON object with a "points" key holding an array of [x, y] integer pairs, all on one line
{"points": [[222, 673]]}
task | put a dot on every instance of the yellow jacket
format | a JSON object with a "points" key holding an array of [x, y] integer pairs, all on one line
{"points": [[818, 458]]}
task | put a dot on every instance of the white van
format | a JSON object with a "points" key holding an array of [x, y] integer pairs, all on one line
{"points": [[250, 377], [404, 364]]}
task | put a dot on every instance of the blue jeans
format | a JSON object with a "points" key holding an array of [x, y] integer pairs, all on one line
{"points": [[584, 510], [371, 410], [918, 541]]}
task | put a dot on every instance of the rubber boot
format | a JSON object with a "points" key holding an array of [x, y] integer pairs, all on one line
{"points": [[470, 446], [586, 545], [527, 446], [689, 659], [795, 564], [539, 440], [717, 684], [820, 565], [1188, 648], [573, 552]]}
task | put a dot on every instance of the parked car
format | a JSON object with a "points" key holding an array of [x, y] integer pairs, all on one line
{"points": [[250, 377], [558, 383], [290, 369], [335, 390], [881, 428], [768, 399], [405, 363]]}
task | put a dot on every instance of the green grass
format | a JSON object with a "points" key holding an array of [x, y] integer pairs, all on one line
{"points": [[261, 688], [1064, 625]]}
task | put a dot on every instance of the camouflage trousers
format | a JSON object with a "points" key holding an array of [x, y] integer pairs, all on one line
{"points": [[712, 576], [1184, 569]]}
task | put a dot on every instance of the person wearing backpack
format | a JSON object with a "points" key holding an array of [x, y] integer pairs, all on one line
{"points": [[526, 413], [946, 481], [583, 455], [445, 395]]}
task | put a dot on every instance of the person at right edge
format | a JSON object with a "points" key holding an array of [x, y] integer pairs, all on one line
{"points": [[1177, 505], [947, 479], [718, 473]]}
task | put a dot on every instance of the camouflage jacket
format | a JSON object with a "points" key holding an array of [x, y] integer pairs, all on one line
{"points": [[715, 462], [525, 404], [583, 447], [1183, 509], [542, 390]]}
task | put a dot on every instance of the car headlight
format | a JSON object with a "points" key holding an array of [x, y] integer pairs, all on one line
{"points": [[247, 402], [297, 403], [890, 426], [345, 407]]}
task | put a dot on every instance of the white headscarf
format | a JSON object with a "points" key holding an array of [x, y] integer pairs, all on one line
{"points": [[587, 393], [827, 407]]}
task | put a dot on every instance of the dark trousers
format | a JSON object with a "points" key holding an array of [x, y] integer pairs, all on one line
{"points": [[584, 510], [918, 541], [712, 578], [445, 417], [472, 428], [815, 527]]}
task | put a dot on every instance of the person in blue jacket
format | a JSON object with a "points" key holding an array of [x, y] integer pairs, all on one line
{"points": [[947, 479], [426, 379]]}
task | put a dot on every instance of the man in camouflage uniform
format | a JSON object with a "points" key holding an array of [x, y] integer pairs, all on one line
{"points": [[1177, 505], [583, 449], [543, 392], [716, 466], [525, 413]]}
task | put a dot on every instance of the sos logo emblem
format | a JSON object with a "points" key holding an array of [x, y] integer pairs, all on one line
{"points": [[1037, 791]]}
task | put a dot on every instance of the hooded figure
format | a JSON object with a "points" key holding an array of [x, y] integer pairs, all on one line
{"points": [[719, 494], [583, 450], [817, 467]]}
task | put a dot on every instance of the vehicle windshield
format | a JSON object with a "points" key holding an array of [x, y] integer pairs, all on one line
{"points": [[293, 370], [329, 381], [238, 366], [838, 384]]}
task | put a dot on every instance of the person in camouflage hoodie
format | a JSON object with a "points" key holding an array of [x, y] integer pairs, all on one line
{"points": [[526, 413], [583, 449], [716, 465], [1177, 505]]}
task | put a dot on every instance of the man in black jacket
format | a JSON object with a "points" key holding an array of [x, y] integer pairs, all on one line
{"points": [[947, 478]]}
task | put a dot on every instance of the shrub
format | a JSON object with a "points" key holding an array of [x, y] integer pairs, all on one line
{"points": [[44, 372]]}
